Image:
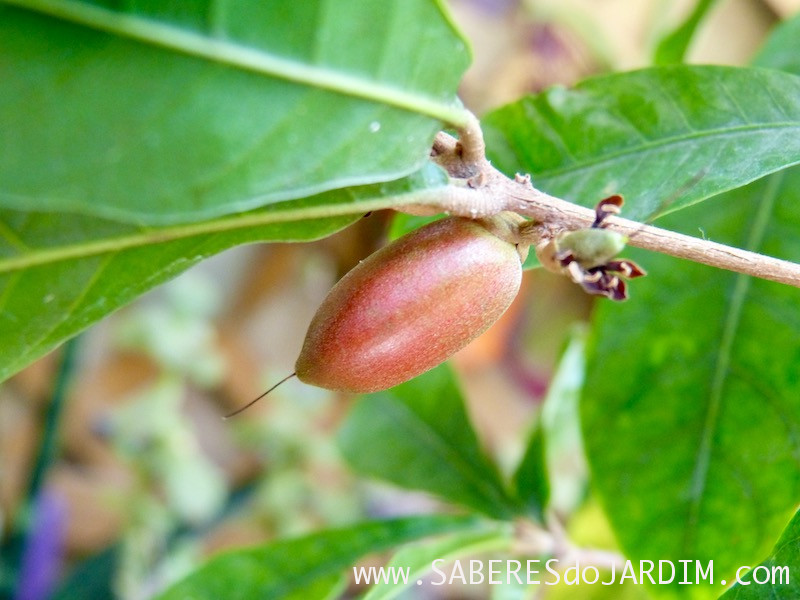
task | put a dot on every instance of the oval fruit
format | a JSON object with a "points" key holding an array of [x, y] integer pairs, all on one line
{"points": [[410, 306]]}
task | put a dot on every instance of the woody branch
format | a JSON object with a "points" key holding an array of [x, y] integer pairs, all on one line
{"points": [[480, 190]]}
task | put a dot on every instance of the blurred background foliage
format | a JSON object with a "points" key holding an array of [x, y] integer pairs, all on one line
{"points": [[139, 476]]}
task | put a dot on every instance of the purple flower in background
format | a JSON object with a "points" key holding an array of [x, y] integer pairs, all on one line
{"points": [[43, 554]]}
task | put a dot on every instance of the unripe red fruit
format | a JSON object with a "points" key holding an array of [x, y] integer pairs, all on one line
{"points": [[410, 306]]}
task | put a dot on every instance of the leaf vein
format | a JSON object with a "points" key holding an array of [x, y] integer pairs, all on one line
{"points": [[12, 238], [665, 142], [464, 465], [74, 305], [741, 288]]}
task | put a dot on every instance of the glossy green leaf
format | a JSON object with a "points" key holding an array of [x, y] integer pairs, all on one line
{"points": [[782, 48], [672, 47], [417, 435], [664, 137], [775, 578], [59, 273], [418, 559], [165, 112], [708, 408], [553, 470], [305, 568], [691, 408]]}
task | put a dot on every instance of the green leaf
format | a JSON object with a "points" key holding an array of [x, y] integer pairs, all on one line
{"points": [[402, 224], [691, 408], [530, 479], [629, 590], [305, 568], [417, 435], [173, 112], [419, 558], [771, 579], [782, 48], [673, 47], [553, 469], [59, 273], [665, 138], [779, 52]]}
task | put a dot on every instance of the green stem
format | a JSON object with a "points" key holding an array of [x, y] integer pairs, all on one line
{"points": [[48, 448]]}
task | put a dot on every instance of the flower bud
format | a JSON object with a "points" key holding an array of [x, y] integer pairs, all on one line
{"points": [[592, 247]]}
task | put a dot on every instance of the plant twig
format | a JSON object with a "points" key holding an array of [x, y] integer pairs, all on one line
{"points": [[542, 207], [486, 191], [48, 447], [470, 143]]}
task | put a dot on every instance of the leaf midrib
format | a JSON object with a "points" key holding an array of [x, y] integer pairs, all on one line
{"points": [[426, 435], [483, 543], [730, 326], [242, 57], [664, 142], [160, 235], [376, 543]]}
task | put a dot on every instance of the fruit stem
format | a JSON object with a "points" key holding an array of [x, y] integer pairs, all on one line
{"points": [[249, 404]]}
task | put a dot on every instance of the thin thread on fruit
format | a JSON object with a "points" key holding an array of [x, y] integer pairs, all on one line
{"points": [[249, 404]]}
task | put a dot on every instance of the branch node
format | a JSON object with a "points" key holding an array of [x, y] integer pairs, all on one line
{"points": [[479, 190], [478, 180], [523, 179]]}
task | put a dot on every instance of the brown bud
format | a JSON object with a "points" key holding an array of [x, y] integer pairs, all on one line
{"points": [[410, 306]]}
